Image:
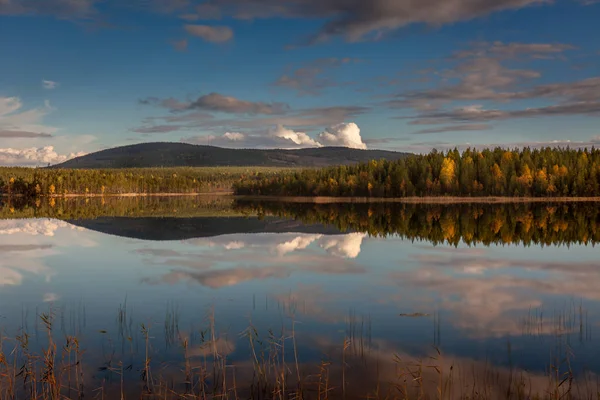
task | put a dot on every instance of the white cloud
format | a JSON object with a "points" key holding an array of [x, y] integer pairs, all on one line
{"points": [[347, 246], [298, 243], [283, 244], [234, 136], [235, 245], [12, 118], [43, 227], [27, 141], [49, 84], [280, 137], [34, 156], [26, 244], [298, 138], [344, 135]]}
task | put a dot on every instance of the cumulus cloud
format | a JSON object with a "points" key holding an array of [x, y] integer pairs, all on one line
{"points": [[49, 84], [278, 137], [338, 135], [214, 34], [34, 156], [343, 135], [234, 136], [343, 245], [300, 139], [300, 242], [347, 246], [44, 227], [235, 245]]}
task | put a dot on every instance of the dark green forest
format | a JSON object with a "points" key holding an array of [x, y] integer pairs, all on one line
{"points": [[476, 223], [35, 182], [549, 172]]}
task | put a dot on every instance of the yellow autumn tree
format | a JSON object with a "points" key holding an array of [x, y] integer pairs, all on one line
{"points": [[448, 225], [498, 177], [448, 172], [526, 178]]}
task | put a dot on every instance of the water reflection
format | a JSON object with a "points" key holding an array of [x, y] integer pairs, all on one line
{"points": [[26, 244], [233, 259], [339, 276], [522, 223]]}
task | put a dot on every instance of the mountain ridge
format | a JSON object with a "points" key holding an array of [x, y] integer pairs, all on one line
{"points": [[173, 154]]}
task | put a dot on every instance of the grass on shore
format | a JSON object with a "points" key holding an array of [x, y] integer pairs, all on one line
{"points": [[354, 368]]}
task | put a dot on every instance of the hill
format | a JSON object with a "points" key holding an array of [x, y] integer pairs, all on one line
{"points": [[147, 155]]}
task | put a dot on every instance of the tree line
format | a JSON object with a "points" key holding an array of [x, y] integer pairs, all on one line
{"points": [[548, 172], [36, 182], [475, 223]]}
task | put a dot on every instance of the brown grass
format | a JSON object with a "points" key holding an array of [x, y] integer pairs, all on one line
{"points": [[354, 368]]}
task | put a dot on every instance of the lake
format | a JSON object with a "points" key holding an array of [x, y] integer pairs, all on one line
{"points": [[203, 296]]}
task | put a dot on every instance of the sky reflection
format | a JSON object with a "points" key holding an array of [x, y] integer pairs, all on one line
{"points": [[465, 295]]}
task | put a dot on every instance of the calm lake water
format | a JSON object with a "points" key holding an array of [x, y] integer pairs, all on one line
{"points": [[508, 286]]}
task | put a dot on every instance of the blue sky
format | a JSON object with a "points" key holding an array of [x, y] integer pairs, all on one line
{"points": [[82, 75]]}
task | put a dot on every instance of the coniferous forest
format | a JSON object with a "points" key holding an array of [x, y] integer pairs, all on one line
{"points": [[511, 173], [549, 172]]}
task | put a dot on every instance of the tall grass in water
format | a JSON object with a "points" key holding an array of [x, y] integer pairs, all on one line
{"points": [[273, 367]]}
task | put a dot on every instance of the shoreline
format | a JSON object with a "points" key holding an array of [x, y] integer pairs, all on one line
{"points": [[333, 200], [416, 200], [117, 195]]}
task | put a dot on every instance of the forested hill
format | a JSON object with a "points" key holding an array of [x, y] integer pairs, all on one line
{"points": [[148, 155]]}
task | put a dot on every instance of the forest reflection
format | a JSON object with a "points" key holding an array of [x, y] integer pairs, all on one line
{"points": [[534, 223], [485, 223]]}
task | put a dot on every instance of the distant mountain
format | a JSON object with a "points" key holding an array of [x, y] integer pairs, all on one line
{"points": [[148, 155]]}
